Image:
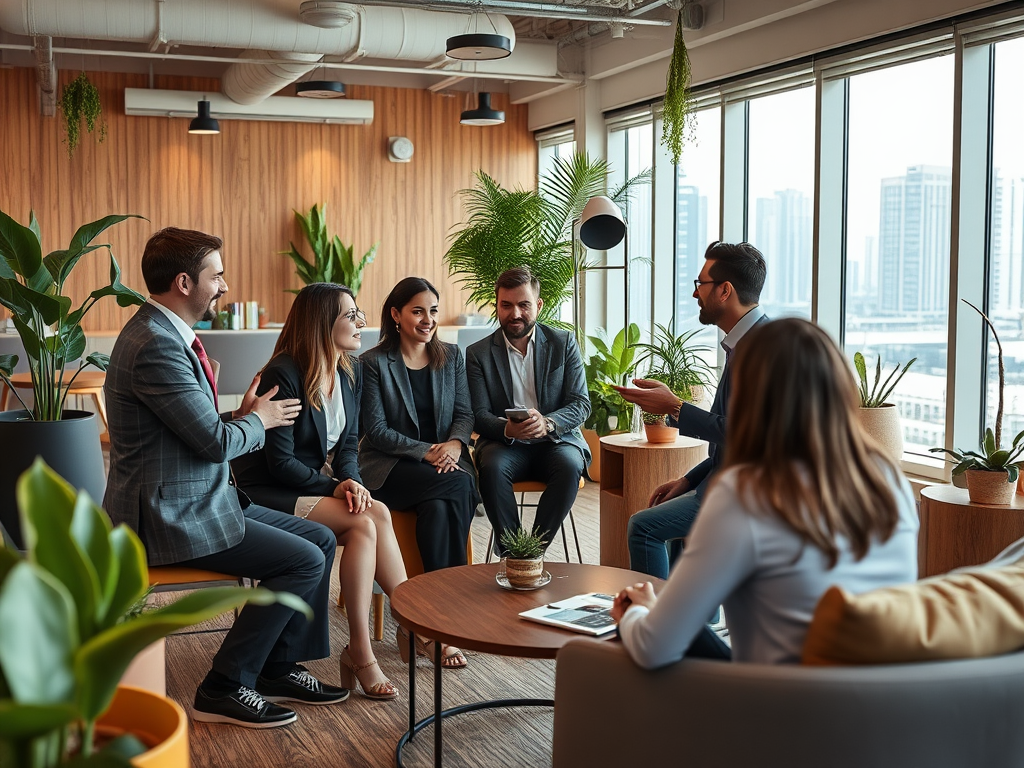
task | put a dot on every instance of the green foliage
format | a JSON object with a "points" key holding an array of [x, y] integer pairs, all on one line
{"points": [[333, 261], [68, 636], [607, 366], [533, 229], [32, 288], [677, 112], [675, 361], [79, 100], [878, 394], [522, 544], [992, 458]]}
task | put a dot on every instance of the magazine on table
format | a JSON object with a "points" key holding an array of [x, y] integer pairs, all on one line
{"points": [[589, 614]]}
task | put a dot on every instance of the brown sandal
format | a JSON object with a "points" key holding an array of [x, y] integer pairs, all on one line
{"points": [[451, 657], [350, 676]]}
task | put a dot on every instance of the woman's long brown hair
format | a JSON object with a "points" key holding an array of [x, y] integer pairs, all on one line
{"points": [[793, 431], [306, 338]]}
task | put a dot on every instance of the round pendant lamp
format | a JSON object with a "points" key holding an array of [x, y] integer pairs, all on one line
{"points": [[484, 114], [203, 123], [479, 46], [320, 89]]}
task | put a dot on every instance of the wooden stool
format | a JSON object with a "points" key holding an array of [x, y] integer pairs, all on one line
{"points": [[87, 384], [536, 486], [173, 578]]}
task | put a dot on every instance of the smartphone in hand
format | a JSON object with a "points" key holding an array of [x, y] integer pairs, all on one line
{"points": [[517, 415]]}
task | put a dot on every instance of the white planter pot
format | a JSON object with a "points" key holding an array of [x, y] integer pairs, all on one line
{"points": [[883, 424]]}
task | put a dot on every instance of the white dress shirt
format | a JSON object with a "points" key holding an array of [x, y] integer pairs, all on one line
{"points": [[187, 334], [524, 371], [334, 412]]}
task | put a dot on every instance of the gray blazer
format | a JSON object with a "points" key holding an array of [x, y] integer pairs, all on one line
{"points": [[169, 448], [388, 415], [561, 385]]}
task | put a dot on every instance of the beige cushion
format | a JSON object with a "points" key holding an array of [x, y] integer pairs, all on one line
{"points": [[967, 614]]}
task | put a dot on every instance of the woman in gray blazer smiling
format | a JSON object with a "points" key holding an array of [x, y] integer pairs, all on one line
{"points": [[417, 421]]}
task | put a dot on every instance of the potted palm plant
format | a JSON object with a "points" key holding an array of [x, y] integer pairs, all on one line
{"points": [[678, 362], [524, 564], [32, 288], [69, 635], [991, 473], [878, 417]]}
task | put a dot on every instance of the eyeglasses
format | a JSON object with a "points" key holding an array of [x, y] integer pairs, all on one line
{"points": [[698, 283], [356, 316]]}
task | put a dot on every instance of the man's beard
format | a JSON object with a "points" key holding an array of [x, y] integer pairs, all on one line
{"points": [[210, 313], [519, 334]]}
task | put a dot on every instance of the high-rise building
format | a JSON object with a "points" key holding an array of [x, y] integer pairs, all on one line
{"points": [[782, 232], [913, 242], [691, 242], [1006, 285]]}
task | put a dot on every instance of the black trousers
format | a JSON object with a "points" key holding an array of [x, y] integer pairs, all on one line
{"points": [[443, 503], [560, 465], [286, 554]]}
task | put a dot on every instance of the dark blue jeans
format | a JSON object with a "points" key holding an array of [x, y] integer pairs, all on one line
{"points": [[650, 530]]}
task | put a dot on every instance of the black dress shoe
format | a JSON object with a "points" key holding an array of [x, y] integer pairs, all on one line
{"points": [[244, 707], [298, 685]]}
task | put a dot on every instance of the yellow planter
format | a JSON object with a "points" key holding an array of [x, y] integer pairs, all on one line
{"points": [[157, 722]]}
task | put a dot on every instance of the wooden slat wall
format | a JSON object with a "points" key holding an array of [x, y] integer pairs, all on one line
{"points": [[243, 184]]}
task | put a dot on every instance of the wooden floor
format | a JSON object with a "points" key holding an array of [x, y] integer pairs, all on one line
{"points": [[360, 732]]}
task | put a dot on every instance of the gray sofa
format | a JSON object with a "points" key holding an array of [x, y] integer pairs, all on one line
{"points": [[957, 714]]}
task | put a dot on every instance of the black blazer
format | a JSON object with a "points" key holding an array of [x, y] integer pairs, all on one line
{"points": [[390, 424], [289, 465]]}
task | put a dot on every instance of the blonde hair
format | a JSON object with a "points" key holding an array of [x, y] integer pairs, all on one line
{"points": [[306, 338], [793, 429]]}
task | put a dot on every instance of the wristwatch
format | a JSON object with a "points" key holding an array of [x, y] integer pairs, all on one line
{"points": [[550, 424]]}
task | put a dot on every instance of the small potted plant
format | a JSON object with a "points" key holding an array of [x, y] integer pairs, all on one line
{"points": [[677, 362], [524, 564], [992, 474], [879, 417], [610, 364]]}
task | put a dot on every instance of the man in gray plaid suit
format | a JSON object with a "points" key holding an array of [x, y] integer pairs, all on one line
{"points": [[170, 481]]}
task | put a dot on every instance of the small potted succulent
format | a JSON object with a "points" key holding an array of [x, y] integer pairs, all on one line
{"points": [[524, 564], [878, 417]]}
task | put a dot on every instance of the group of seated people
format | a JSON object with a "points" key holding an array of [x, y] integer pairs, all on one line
{"points": [[324, 444]]}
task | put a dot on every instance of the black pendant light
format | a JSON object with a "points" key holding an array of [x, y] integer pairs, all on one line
{"points": [[320, 89], [479, 46], [484, 114], [203, 123]]}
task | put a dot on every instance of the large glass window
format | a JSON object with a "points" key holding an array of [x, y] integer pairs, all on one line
{"points": [[1006, 239], [558, 148], [899, 185], [639, 157], [781, 197]]}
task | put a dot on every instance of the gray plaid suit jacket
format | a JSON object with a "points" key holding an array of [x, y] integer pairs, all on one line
{"points": [[169, 478]]}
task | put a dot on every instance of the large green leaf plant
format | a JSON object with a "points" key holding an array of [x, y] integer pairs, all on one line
{"points": [[32, 288], [508, 228], [333, 261], [68, 628], [676, 361], [611, 364]]}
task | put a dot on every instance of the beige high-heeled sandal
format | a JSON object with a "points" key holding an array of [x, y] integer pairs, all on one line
{"points": [[381, 691], [451, 657]]}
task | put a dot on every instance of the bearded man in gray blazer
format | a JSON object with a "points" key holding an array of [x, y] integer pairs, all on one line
{"points": [[539, 368], [170, 482]]}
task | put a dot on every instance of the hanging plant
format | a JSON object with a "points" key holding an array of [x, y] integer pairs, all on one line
{"points": [[677, 125], [80, 100]]}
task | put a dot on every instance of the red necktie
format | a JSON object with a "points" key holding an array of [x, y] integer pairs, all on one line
{"points": [[197, 347]]}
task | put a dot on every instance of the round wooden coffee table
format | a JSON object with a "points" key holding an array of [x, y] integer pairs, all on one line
{"points": [[465, 607]]}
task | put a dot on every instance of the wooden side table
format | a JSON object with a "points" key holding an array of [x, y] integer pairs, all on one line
{"points": [[956, 532], [630, 471]]}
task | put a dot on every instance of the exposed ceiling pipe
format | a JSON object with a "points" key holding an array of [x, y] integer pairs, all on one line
{"points": [[250, 83], [522, 8], [407, 34], [46, 75]]}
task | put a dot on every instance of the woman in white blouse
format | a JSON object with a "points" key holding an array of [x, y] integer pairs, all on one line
{"points": [[804, 500], [311, 468]]}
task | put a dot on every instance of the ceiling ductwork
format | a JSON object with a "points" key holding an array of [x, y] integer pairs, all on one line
{"points": [[405, 34]]}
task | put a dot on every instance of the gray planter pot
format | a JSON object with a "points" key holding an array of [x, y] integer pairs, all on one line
{"points": [[70, 446]]}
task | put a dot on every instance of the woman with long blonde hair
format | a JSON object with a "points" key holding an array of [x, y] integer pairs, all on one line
{"points": [[805, 500], [311, 468]]}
